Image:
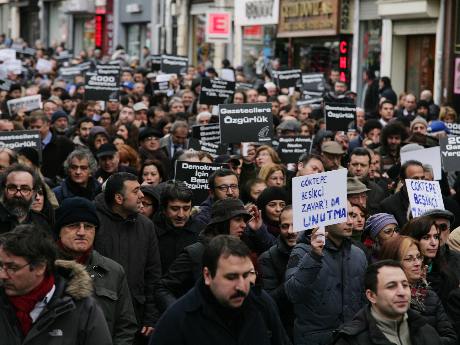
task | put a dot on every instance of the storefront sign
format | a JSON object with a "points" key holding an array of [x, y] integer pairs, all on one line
{"points": [[450, 153], [286, 79], [98, 30], [218, 27], [338, 116], [291, 148], [174, 64], [344, 61], [299, 18], [215, 91], [101, 83], [256, 12], [423, 196], [252, 122]]}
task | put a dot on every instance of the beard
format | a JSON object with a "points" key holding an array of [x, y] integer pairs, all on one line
{"points": [[18, 207]]}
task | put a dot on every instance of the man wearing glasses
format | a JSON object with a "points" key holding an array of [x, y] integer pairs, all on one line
{"points": [[19, 191]]}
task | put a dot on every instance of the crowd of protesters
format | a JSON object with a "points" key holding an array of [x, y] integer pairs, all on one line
{"points": [[99, 244]]}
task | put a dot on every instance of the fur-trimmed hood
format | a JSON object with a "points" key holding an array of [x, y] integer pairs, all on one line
{"points": [[79, 284]]}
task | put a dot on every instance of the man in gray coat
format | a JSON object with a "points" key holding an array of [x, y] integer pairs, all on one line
{"points": [[324, 281]]}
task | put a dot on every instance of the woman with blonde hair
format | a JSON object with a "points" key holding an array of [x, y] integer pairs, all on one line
{"points": [[448, 115], [266, 155], [274, 175]]}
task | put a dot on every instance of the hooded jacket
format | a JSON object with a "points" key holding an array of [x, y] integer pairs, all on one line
{"points": [[72, 317], [133, 244]]}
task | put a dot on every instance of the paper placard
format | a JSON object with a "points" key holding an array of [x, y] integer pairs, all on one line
{"points": [[214, 149], [28, 103], [209, 133], [44, 66], [454, 128], [339, 116], [16, 140], [291, 148], [252, 122], [215, 91], [101, 84], [319, 199], [174, 64], [430, 156], [450, 153], [195, 176], [7, 54], [155, 63], [423, 196], [286, 79]]}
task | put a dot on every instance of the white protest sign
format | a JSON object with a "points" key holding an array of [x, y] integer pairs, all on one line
{"points": [[7, 54], [319, 199], [424, 196], [13, 66], [43, 66], [28, 103], [430, 156]]}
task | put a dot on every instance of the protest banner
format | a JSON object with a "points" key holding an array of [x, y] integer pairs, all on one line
{"points": [[423, 196], [195, 176], [454, 128], [174, 64], [290, 148], [7, 54], [209, 133], [450, 153], [319, 199], [245, 122], [430, 156], [290, 78], [16, 140], [28, 103], [101, 83], [214, 149], [215, 91], [339, 116]]}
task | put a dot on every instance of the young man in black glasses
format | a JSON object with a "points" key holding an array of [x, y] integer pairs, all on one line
{"points": [[19, 187]]}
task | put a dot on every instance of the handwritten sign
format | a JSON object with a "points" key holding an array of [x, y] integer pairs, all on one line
{"points": [[319, 199], [423, 196]]}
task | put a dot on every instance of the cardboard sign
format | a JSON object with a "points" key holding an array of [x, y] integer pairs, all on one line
{"points": [[338, 116], [252, 122], [195, 176], [218, 27], [100, 84], [454, 128], [430, 156], [291, 148], [287, 79], [28, 103], [209, 133], [174, 64], [209, 147], [15, 140], [424, 196], [215, 91], [319, 199], [44, 66], [450, 153]]}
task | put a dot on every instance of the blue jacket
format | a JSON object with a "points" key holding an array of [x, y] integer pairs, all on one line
{"points": [[63, 190], [326, 290]]}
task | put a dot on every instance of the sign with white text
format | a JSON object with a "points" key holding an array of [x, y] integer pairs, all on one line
{"points": [[450, 153], [218, 27], [339, 116]]}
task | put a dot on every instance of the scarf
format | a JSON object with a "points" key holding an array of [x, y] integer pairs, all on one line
{"points": [[82, 259], [418, 292], [24, 304]]}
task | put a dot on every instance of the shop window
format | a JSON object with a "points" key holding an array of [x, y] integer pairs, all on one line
{"points": [[420, 63]]}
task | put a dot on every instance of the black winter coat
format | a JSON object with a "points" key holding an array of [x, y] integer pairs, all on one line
{"points": [[72, 317], [8, 221], [54, 154], [133, 244], [195, 319], [362, 330]]}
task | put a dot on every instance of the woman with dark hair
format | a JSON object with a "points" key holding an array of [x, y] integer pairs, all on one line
{"points": [[424, 300], [378, 229], [151, 173], [130, 133], [441, 280], [271, 203], [386, 91], [42, 205], [252, 189]]}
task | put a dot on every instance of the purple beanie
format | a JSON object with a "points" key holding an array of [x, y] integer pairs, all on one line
{"points": [[376, 222]]}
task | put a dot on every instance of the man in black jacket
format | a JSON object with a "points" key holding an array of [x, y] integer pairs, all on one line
{"points": [[388, 320], [128, 238], [174, 227], [222, 308]]}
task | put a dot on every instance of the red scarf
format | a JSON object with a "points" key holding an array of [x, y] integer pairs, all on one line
{"points": [[82, 258], [24, 304]]}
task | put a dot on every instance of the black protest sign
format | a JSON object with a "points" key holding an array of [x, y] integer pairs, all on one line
{"points": [[286, 79], [339, 116], [69, 73], [314, 103], [290, 148], [209, 133], [155, 63], [214, 149], [216, 91], [174, 64], [99, 85], [160, 87], [16, 140], [450, 153], [252, 122], [313, 84], [454, 128], [195, 176]]}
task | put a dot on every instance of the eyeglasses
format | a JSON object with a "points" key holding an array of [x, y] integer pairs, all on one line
{"points": [[13, 189], [412, 259], [390, 231], [226, 188], [11, 270], [77, 226]]}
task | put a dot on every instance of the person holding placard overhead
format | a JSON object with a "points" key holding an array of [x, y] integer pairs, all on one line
{"points": [[324, 281]]}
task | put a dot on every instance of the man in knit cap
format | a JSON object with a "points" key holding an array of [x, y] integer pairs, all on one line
{"points": [[419, 125], [75, 229]]}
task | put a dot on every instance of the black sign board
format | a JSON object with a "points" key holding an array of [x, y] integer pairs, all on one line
{"points": [[339, 116], [155, 63], [160, 87], [16, 140], [216, 91], [214, 149], [290, 148], [101, 83], [5, 84], [64, 55], [286, 79], [209, 133], [313, 85], [454, 128], [314, 103], [252, 122], [450, 153], [195, 176], [68, 73], [174, 64]]}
